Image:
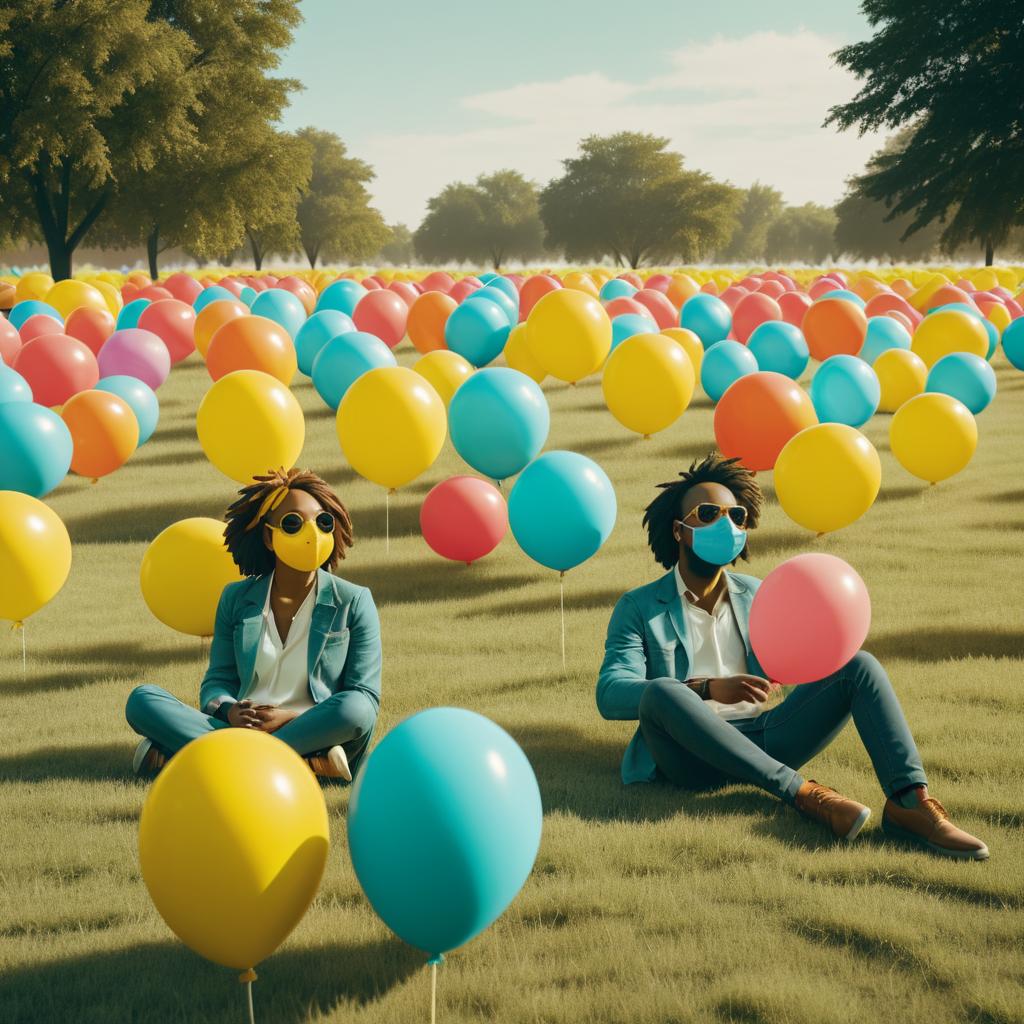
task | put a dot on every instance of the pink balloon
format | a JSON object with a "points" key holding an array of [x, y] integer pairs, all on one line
{"points": [[752, 311], [659, 307], [821, 286], [659, 282], [772, 288], [793, 305], [464, 518], [234, 286], [382, 313], [173, 322], [625, 304], [138, 353], [809, 617], [183, 287], [732, 295], [438, 281], [461, 289], [10, 341], [37, 324], [404, 291], [153, 292]]}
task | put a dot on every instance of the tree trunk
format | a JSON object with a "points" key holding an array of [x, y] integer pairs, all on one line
{"points": [[153, 252], [60, 259], [311, 255], [257, 251], [990, 252]]}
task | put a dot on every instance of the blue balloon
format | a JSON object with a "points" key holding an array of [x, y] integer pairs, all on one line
{"points": [[993, 337], [780, 348], [211, 294], [279, 305], [486, 276], [499, 298], [316, 332], [1013, 342], [477, 331], [343, 295], [499, 421], [616, 288], [708, 317], [723, 364], [503, 284], [21, 311], [965, 376], [128, 315], [883, 333], [140, 396], [845, 390], [36, 446], [561, 509], [345, 358], [444, 825], [625, 325], [248, 295], [842, 293], [13, 387]]}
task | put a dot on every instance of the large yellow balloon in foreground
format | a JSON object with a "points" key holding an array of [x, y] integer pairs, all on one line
{"points": [[946, 331], [35, 555], [445, 370], [249, 423], [901, 375], [569, 334], [933, 436], [391, 425], [827, 476], [648, 382], [232, 842], [183, 573]]}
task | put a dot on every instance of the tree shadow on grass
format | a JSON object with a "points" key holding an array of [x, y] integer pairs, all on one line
{"points": [[411, 582], [175, 457], [902, 492], [98, 762], [548, 603], [1008, 497], [141, 523], [934, 645], [184, 432], [401, 518]]}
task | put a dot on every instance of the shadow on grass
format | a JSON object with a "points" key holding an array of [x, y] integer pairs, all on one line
{"points": [[548, 603], [1008, 497], [931, 645], [99, 762], [141, 523], [401, 519], [175, 457], [184, 432], [411, 582], [902, 492]]}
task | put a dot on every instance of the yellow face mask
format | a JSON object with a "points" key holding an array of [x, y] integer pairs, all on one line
{"points": [[303, 551]]}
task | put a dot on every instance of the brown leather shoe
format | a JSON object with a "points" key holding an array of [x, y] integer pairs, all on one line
{"points": [[149, 759], [928, 825], [845, 817], [331, 765]]}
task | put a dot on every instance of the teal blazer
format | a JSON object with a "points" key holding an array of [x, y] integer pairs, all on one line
{"points": [[647, 639]]}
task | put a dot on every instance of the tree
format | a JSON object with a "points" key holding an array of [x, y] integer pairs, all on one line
{"points": [[334, 214], [398, 250], [954, 76], [804, 234], [625, 196], [760, 207]]}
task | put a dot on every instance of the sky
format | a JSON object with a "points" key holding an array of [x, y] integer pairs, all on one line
{"points": [[430, 93]]}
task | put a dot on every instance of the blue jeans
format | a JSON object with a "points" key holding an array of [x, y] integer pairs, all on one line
{"points": [[695, 748]]}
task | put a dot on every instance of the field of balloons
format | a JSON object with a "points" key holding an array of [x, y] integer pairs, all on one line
{"points": [[496, 438]]}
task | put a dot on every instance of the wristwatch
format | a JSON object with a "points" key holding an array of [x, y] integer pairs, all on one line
{"points": [[703, 689]]}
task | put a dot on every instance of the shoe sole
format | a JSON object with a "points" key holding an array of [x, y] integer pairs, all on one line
{"points": [[895, 832], [144, 747], [862, 820]]}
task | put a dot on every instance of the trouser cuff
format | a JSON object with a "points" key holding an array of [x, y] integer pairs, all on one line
{"points": [[914, 778]]}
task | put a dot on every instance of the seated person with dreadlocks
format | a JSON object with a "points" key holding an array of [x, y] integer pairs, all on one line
{"points": [[678, 661], [296, 650]]}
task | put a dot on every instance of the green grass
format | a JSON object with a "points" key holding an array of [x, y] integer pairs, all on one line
{"points": [[647, 905]]}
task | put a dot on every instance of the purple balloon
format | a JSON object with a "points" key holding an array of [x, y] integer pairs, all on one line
{"points": [[133, 352]]}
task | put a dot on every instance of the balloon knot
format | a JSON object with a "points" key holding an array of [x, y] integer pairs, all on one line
{"points": [[247, 976], [437, 958], [392, 490], [16, 627], [94, 480], [647, 437], [820, 533]]}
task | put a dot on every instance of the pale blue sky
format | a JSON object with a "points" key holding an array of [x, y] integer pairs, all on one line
{"points": [[433, 92]]}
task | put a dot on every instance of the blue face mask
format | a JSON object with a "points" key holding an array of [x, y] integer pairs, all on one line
{"points": [[720, 543]]}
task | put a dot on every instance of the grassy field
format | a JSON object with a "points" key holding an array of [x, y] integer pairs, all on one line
{"points": [[647, 905]]}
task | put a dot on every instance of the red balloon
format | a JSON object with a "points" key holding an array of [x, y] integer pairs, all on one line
{"points": [[57, 367], [533, 290], [946, 294], [302, 290], [233, 286], [752, 311], [821, 286], [625, 304], [773, 289], [174, 323], [92, 326], [369, 284], [464, 518], [462, 288], [633, 278], [183, 287], [129, 291], [438, 281], [659, 282], [10, 341], [153, 292], [732, 295], [37, 324], [658, 307], [382, 313], [751, 282], [404, 291]]}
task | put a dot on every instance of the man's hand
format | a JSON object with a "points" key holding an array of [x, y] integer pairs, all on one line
{"points": [[242, 715], [733, 689], [271, 718]]}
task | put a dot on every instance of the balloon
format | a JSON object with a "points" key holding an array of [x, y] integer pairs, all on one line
{"points": [[708, 317], [247, 296], [724, 363], [384, 314], [69, 295], [90, 326], [35, 553], [32, 307], [562, 509], [661, 310], [681, 288], [690, 344], [808, 618], [500, 298], [948, 330], [36, 448], [134, 352], [316, 332], [464, 287], [577, 280], [13, 387], [499, 421], [282, 308], [779, 347], [184, 570], [834, 327], [569, 334], [213, 316], [56, 367], [33, 285], [933, 436], [752, 311], [344, 359], [533, 290], [111, 296], [249, 423], [173, 322], [446, 371], [477, 331], [104, 430], [463, 787], [464, 518], [10, 342], [439, 281], [993, 337], [616, 288], [271, 851], [827, 476], [883, 333], [758, 414], [391, 425], [845, 389], [626, 325], [154, 293], [648, 382], [1013, 343], [519, 357], [252, 343], [966, 377], [211, 294], [843, 293], [129, 315], [39, 324], [183, 287], [140, 397], [427, 318], [301, 290], [901, 375]]}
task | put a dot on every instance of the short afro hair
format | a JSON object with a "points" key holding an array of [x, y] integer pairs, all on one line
{"points": [[667, 506]]}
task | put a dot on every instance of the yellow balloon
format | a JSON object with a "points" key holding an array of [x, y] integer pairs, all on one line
{"points": [[184, 571], [67, 296], [948, 330], [445, 370], [932, 283], [999, 315], [32, 286], [901, 375], [111, 295], [35, 555], [233, 841], [577, 280], [519, 357], [249, 423], [648, 382], [391, 425], [827, 476], [983, 279], [933, 436], [691, 344], [569, 334]]}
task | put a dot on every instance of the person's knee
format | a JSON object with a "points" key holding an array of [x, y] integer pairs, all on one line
{"points": [[659, 694], [138, 700], [357, 712], [864, 669]]}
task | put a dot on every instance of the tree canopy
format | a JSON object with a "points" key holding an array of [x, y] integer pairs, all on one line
{"points": [[760, 206], [398, 249], [802, 234]]}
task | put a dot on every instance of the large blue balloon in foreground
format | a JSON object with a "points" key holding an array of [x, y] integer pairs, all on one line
{"points": [[35, 448]]}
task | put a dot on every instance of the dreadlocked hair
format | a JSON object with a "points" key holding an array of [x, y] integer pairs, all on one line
{"points": [[667, 506], [243, 536]]}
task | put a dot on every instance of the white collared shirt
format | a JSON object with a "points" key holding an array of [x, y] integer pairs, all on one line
{"points": [[717, 646], [282, 668]]}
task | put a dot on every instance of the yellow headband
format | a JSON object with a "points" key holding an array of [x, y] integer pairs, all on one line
{"points": [[270, 502]]}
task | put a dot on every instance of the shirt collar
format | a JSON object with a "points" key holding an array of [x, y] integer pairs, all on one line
{"points": [[689, 598], [310, 598]]}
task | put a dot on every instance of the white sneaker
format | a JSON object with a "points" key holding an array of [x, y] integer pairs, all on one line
{"points": [[148, 759], [332, 765]]}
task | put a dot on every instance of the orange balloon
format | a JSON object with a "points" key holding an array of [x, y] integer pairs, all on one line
{"points": [[213, 316], [757, 416], [91, 326], [104, 431], [834, 327], [427, 317], [534, 289], [681, 288], [252, 343]]}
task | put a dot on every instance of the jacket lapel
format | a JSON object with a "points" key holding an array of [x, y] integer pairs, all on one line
{"points": [[324, 612], [668, 594], [251, 620], [740, 597]]}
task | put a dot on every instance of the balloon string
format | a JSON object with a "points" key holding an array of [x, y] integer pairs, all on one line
{"points": [[247, 978], [433, 994], [561, 609], [24, 655], [387, 521]]}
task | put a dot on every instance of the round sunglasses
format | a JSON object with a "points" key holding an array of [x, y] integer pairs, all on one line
{"points": [[292, 522], [708, 512]]}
